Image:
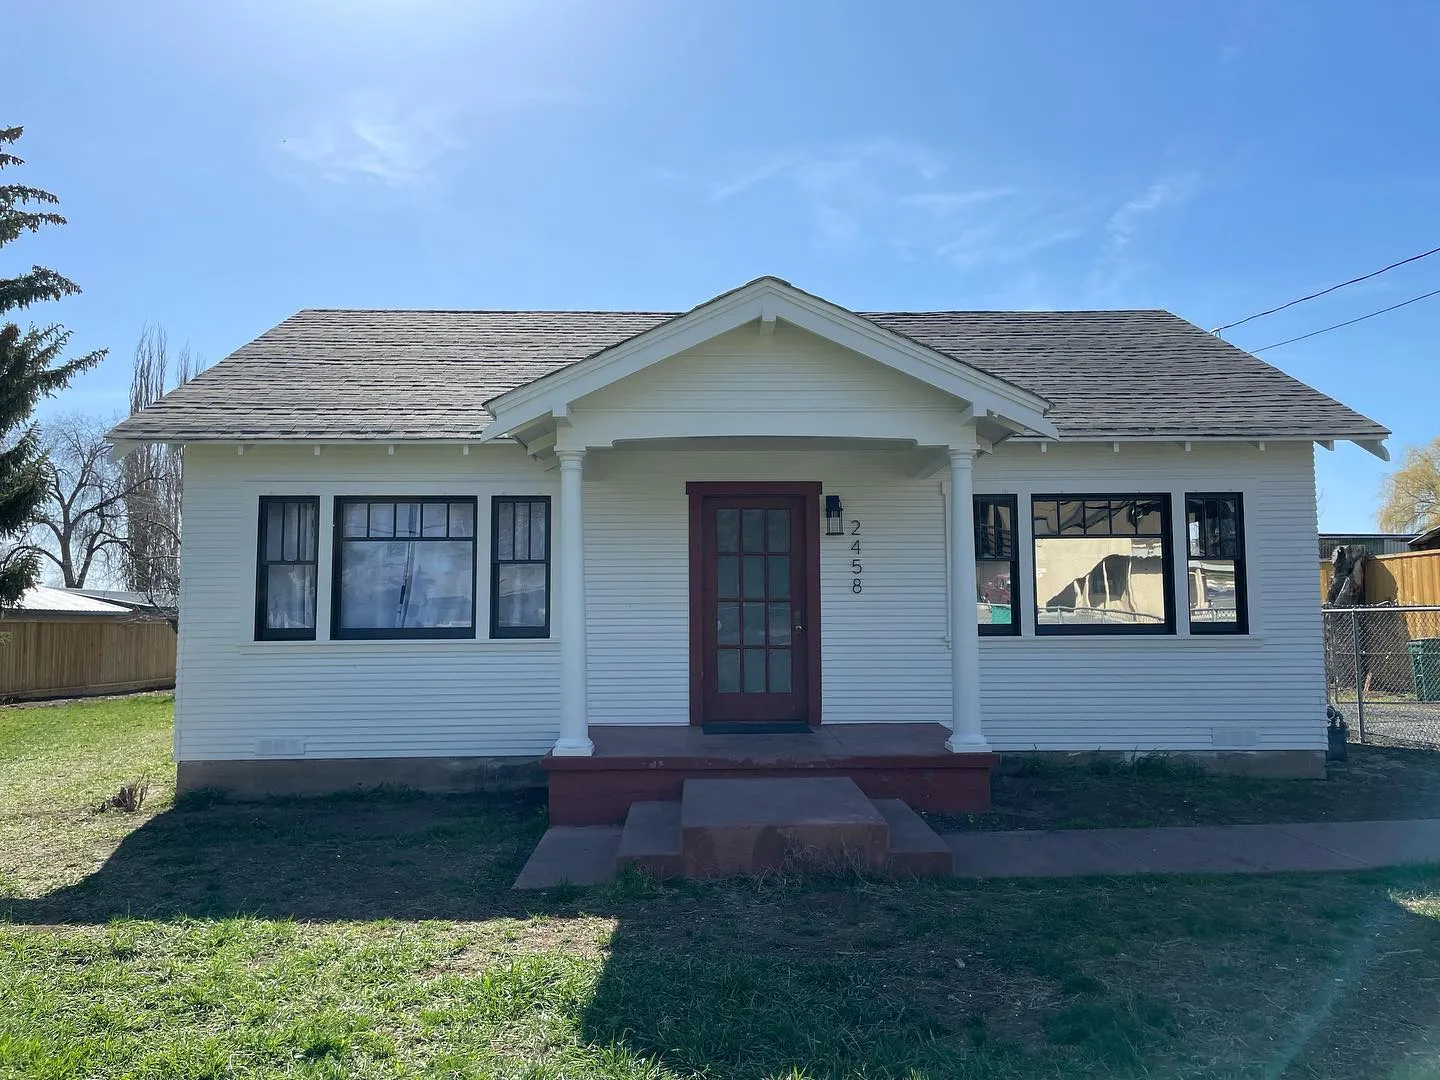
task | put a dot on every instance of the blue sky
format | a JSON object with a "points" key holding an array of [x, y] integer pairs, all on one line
{"points": [[223, 165]]}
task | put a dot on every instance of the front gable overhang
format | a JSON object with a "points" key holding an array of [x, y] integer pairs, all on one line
{"points": [[981, 396]]}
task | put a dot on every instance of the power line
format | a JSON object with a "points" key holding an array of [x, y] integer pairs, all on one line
{"points": [[1347, 322], [1323, 292]]}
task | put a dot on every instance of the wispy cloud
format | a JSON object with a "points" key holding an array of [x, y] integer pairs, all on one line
{"points": [[747, 179], [845, 188], [1165, 193], [946, 203], [1116, 262], [1006, 244], [369, 140]]}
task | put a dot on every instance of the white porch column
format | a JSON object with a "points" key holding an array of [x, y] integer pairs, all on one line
{"points": [[574, 738], [966, 734]]}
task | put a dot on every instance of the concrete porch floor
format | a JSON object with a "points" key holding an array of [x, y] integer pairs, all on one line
{"points": [[586, 855]]}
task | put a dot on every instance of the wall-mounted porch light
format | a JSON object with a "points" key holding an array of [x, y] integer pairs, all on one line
{"points": [[834, 516]]}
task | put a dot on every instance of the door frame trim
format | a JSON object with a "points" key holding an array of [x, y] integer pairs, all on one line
{"points": [[809, 490]]}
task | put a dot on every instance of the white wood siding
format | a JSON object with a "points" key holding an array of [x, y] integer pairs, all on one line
{"points": [[885, 656], [346, 698], [1264, 691], [883, 651]]}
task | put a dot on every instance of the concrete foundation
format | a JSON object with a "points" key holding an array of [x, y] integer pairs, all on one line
{"points": [[1274, 764], [258, 779]]}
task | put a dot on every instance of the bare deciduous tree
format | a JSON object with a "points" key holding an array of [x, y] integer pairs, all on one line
{"points": [[152, 477], [80, 528]]}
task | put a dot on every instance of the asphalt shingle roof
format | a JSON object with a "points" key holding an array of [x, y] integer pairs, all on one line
{"points": [[345, 375]]}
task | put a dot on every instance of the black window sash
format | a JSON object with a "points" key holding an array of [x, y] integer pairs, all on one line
{"points": [[337, 563], [496, 562], [1092, 526], [991, 547], [1209, 507], [276, 503]]}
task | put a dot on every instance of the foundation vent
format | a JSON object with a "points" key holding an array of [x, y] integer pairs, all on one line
{"points": [[279, 747], [1234, 738]]}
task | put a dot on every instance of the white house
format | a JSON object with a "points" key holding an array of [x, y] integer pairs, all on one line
{"points": [[767, 534]]}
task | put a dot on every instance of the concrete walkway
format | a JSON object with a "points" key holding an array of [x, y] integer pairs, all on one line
{"points": [[586, 855], [1216, 849]]}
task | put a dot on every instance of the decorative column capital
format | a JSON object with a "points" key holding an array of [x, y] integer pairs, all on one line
{"points": [[964, 454], [570, 459]]}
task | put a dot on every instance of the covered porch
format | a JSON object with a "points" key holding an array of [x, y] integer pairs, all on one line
{"points": [[765, 555]]}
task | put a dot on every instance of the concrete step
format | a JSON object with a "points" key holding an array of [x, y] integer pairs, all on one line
{"points": [[780, 824], [916, 850], [650, 840]]}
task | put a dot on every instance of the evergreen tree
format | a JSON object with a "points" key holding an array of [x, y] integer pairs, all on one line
{"points": [[31, 367]]}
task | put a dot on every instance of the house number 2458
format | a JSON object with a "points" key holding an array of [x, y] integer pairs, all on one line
{"points": [[856, 568]]}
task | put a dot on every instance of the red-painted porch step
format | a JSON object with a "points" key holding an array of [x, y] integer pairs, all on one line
{"points": [[747, 826], [650, 840]]}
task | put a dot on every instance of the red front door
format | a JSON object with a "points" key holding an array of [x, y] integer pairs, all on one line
{"points": [[754, 651]]}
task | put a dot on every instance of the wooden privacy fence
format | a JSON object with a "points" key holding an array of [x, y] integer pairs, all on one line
{"points": [[1405, 578], [71, 656]]}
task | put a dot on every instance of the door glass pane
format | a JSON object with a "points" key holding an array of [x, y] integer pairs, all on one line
{"points": [[754, 621], [779, 624], [779, 568], [727, 671], [753, 530], [780, 671], [754, 576], [754, 682], [777, 530], [727, 575], [727, 623], [727, 530]]}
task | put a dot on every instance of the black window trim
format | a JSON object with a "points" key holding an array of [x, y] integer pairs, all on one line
{"points": [[525, 632], [263, 632], [338, 633], [1167, 539], [1013, 628], [1242, 572]]}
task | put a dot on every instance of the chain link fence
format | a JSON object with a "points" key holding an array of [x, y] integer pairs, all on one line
{"points": [[1382, 671]]}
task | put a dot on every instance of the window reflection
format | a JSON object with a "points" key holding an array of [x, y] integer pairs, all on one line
{"points": [[1100, 564]]}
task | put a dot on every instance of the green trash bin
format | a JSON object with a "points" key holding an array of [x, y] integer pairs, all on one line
{"points": [[1425, 659]]}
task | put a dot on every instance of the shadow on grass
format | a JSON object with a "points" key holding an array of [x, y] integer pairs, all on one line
{"points": [[379, 855], [837, 978]]}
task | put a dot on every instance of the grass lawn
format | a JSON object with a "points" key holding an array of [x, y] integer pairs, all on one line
{"points": [[1377, 783], [377, 936]]}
